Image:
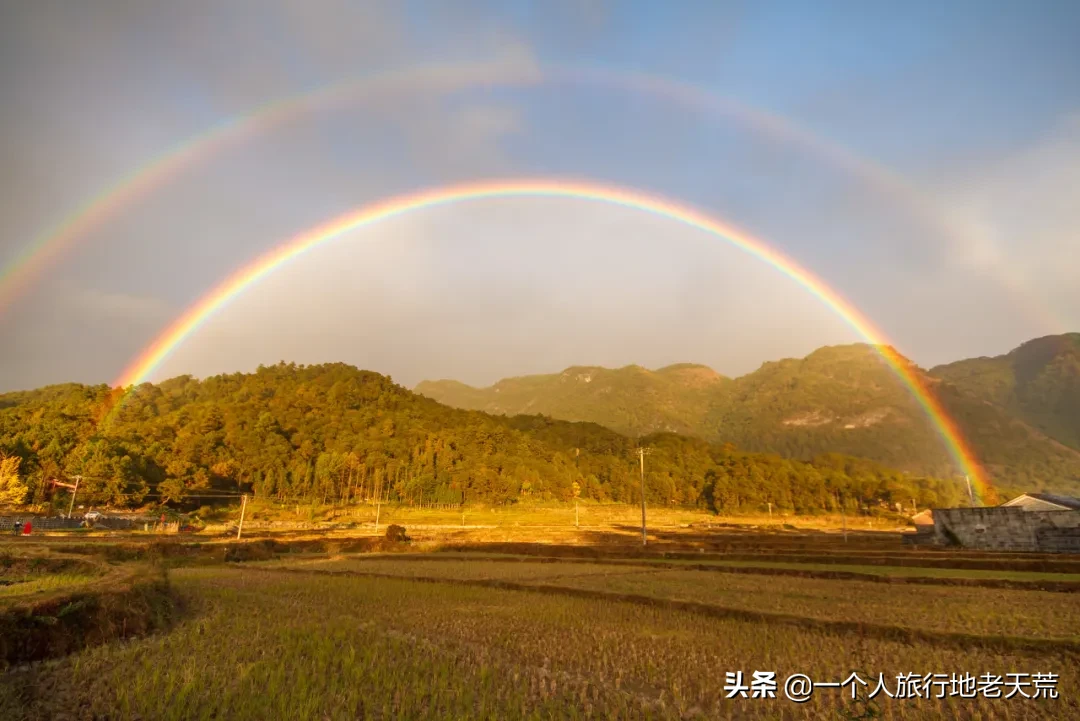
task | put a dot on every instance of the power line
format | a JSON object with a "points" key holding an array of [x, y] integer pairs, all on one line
{"points": [[191, 495]]}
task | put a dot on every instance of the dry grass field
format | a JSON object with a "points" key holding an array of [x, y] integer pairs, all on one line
{"points": [[944, 609], [585, 624]]}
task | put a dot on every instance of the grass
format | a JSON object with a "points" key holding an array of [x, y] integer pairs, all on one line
{"points": [[946, 609], [258, 645], [795, 550], [984, 611], [489, 522], [465, 569], [542, 514], [511, 636], [31, 585], [27, 576], [713, 562], [51, 615], [896, 571]]}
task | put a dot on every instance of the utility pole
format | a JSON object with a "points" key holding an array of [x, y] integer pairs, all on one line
{"points": [[243, 510], [577, 492], [641, 455], [74, 491], [843, 515], [770, 511], [971, 496], [378, 505], [378, 508]]}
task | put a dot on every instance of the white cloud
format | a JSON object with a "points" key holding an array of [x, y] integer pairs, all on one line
{"points": [[1022, 217], [210, 61], [492, 288]]}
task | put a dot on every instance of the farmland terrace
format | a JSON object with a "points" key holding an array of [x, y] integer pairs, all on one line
{"points": [[456, 623]]}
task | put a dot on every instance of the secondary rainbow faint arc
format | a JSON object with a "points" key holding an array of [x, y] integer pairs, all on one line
{"points": [[18, 274], [48, 245], [245, 277]]}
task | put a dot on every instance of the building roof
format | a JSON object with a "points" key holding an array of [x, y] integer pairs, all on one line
{"points": [[1066, 503]]}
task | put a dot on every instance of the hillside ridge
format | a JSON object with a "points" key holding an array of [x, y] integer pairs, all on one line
{"points": [[332, 433], [843, 398]]}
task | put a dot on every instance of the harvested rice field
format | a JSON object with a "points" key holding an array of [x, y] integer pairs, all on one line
{"points": [[332, 636]]}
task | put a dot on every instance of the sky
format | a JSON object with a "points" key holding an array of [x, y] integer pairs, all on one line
{"points": [[922, 159]]}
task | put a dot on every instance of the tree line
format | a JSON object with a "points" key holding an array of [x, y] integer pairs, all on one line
{"points": [[334, 434]]}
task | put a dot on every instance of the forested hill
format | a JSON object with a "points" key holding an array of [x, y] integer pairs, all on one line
{"points": [[631, 400], [337, 434], [1039, 382], [838, 399]]}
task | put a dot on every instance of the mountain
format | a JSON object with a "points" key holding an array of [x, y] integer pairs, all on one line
{"points": [[1038, 382], [335, 434], [632, 400], [842, 399]]}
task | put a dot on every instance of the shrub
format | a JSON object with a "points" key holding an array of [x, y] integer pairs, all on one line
{"points": [[396, 534]]}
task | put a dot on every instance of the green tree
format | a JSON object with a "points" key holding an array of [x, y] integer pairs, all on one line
{"points": [[13, 490]]}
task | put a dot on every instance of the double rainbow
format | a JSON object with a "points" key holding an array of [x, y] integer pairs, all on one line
{"points": [[18, 275], [149, 359]]}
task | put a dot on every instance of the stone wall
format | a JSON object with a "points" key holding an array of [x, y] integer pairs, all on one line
{"points": [[1008, 529]]}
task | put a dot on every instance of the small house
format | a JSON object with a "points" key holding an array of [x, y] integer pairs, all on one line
{"points": [[1043, 502]]}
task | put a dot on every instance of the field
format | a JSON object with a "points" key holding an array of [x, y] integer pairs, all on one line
{"points": [[453, 625], [938, 609]]}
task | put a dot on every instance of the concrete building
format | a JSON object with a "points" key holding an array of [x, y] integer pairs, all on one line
{"points": [[1036, 522]]}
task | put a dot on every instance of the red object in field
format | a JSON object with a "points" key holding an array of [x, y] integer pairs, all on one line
{"points": [[26, 528]]}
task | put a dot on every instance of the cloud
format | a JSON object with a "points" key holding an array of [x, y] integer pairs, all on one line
{"points": [[111, 306], [486, 121], [486, 289], [463, 139], [339, 34], [1022, 217], [76, 334], [84, 105]]}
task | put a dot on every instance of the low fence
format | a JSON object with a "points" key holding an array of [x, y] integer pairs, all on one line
{"points": [[56, 523]]}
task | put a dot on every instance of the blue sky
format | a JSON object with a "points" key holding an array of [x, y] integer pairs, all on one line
{"points": [[927, 168]]}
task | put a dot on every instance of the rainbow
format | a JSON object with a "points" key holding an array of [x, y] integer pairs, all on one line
{"points": [[48, 247], [19, 273], [154, 354]]}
